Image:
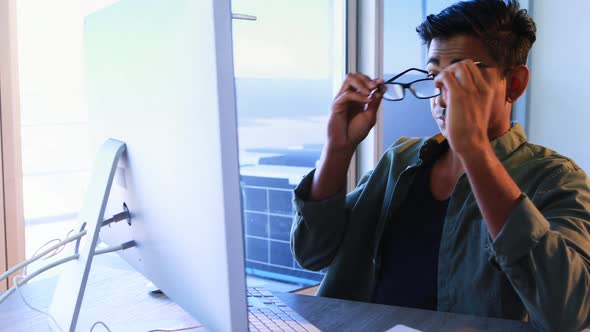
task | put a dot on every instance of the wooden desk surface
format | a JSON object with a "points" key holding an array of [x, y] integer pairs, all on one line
{"points": [[340, 315], [118, 297]]}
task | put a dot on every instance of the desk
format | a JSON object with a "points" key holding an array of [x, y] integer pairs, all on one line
{"points": [[118, 297]]}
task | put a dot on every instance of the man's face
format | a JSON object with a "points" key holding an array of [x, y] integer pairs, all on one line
{"points": [[444, 52]]}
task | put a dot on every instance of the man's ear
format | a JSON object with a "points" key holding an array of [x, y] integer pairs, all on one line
{"points": [[516, 82]]}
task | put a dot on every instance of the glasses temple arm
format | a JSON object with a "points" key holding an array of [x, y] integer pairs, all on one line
{"points": [[402, 73]]}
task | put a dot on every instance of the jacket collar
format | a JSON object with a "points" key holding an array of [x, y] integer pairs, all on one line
{"points": [[506, 144], [503, 146]]}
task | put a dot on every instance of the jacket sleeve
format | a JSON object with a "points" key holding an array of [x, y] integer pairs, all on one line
{"points": [[319, 226], [544, 250]]}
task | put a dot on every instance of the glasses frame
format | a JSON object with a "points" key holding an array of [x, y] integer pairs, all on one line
{"points": [[408, 85]]}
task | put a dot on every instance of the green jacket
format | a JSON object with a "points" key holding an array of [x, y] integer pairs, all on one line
{"points": [[537, 268]]}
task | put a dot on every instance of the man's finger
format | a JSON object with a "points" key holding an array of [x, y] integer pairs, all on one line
{"points": [[358, 82], [353, 97], [463, 76], [376, 99], [446, 81], [477, 75]]}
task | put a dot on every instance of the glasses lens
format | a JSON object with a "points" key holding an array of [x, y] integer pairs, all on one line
{"points": [[394, 92], [425, 89]]}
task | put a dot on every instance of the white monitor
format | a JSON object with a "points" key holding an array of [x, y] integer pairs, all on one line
{"points": [[160, 78]]}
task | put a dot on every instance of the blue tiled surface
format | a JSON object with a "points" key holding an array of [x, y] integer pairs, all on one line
{"points": [[255, 199], [280, 254], [257, 224], [280, 227], [311, 278], [257, 181], [256, 249], [307, 157], [268, 224], [301, 159], [280, 201]]}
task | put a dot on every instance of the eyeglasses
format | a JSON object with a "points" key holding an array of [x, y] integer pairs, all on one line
{"points": [[423, 88]]}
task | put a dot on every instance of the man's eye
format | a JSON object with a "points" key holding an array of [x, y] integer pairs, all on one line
{"points": [[432, 75]]}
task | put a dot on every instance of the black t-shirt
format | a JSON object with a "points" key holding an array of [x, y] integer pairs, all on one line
{"points": [[409, 249]]}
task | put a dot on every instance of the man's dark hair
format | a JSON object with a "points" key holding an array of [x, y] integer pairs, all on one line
{"points": [[506, 30]]}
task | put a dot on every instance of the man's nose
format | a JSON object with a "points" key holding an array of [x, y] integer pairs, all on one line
{"points": [[440, 101]]}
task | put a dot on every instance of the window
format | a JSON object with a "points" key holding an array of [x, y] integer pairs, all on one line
{"points": [[403, 49], [284, 85], [56, 153], [287, 65]]}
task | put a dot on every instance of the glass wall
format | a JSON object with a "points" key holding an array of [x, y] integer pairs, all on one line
{"points": [[284, 68], [402, 49], [284, 79]]}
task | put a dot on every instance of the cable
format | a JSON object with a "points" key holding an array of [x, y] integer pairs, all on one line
{"points": [[63, 247], [27, 278], [16, 283], [43, 246], [46, 243], [157, 330], [57, 248], [56, 252], [24, 280], [181, 329], [123, 246], [116, 218], [43, 253], [100, 323], [17, 286]]}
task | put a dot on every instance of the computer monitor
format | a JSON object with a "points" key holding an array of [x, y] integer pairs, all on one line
{"points": [[160, 78]]}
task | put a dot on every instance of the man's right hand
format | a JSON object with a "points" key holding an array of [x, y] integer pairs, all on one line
{"points": [[354, 112]]}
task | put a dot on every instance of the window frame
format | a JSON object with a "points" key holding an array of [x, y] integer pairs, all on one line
{"points": [[347, 63], [12, 228], [368, 59]]}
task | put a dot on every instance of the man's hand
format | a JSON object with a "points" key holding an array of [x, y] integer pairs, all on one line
{"points": [[354, 112], [468, 98], [469, 103]]}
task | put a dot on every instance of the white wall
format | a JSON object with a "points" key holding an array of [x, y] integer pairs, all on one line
{"points": [[558, 114]]}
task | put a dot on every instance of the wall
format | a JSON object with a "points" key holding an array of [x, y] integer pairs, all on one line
{"points": [[557, 116]]}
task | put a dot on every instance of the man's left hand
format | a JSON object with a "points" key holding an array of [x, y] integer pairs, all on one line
{"points": [[468, 98]]}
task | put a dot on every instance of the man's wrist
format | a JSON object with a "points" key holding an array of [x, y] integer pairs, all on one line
{"points": [[340, 150], [495, 191], [330, 175], [477, 153]]}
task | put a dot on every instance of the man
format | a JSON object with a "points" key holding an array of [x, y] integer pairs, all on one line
{"points": [[474, 220]]}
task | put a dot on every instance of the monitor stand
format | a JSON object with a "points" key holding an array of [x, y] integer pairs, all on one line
{"points": [[67, 299]]}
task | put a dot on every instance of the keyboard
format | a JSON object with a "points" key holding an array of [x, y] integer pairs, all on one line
{"points": [[267, 312]]}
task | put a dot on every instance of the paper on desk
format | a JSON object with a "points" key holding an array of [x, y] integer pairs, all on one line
{"points": [[402, 328]]}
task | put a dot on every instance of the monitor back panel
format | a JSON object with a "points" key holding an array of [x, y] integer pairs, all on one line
{"points": [[160, 78]]}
